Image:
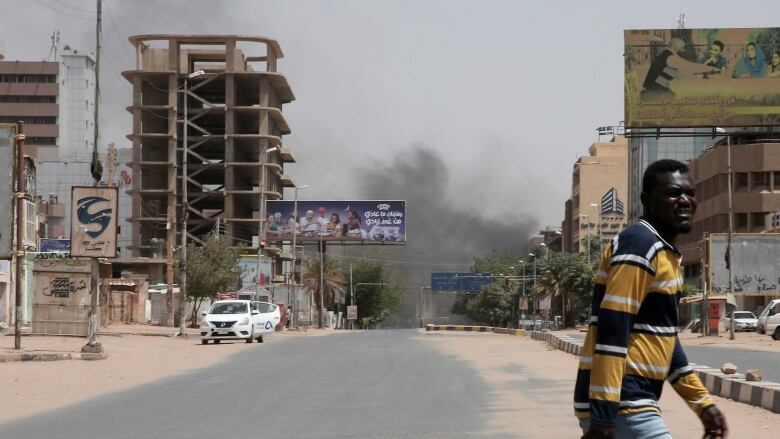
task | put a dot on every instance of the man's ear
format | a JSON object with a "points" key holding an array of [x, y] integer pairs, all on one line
{"points": [[645, 199]]}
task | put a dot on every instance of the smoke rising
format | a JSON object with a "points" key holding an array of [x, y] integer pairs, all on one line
{"points": [[439, 224]]}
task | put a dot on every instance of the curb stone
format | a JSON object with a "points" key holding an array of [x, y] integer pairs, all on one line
{"points": [[765, 394], [49, 356], [465, 328]]}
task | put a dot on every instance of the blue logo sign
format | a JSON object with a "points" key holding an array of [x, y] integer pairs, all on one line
{"points": [[101, 217], [54, 245]]}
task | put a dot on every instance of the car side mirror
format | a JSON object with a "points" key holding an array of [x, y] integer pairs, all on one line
{"points": [[204, 313], [255, 312]]}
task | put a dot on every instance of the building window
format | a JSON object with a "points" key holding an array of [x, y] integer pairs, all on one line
{"points": [[757, 219], [37, 120], [741, 220], [28, 78], [40, 140], [760, 181], [28, 100], [740, 181], [776, 180]]}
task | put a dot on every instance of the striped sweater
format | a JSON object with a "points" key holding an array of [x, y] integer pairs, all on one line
{"points": [[632, 344]]}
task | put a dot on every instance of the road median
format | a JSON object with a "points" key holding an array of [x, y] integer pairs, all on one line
{"points": [[467, 328], [764, 394]]}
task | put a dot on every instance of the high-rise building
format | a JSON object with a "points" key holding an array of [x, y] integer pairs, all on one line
{"points": [[234, 98], [645, 148], [599, 182], [28, 93]]}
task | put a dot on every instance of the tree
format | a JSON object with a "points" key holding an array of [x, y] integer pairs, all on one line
{"points": [[211, 268], [333, 282], [566, 277], [376, 293], [493, 305]]}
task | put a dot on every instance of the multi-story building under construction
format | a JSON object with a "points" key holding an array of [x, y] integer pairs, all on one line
{"points": [[234, 115]]}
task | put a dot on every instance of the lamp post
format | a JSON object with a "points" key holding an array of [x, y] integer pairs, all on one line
{"points": [[185, 202], [262, 214], [322, 283], [295, 252]]}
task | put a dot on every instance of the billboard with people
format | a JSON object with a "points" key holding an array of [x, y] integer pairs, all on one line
{"points": [[380, 221], [702, 77]]}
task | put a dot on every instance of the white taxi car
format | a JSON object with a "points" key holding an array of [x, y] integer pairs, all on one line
{"points": [[238, 320]]}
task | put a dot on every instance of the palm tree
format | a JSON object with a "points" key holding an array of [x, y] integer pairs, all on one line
{"points": [[333, 277]]}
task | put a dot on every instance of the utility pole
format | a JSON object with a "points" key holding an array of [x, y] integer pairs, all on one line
{"points": [[96, 169], [322, 280], [261, 231], [351, 294], [732, 336], [295, 252], [20, 254]]}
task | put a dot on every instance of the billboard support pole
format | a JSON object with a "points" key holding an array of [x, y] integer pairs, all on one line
{"points": [[20, 259], [732, 336], [322, 281]]}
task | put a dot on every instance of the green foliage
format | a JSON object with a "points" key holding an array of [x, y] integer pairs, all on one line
{"points": [[689, 289], [332, 275], [211, 267], [493, 305], [566, 275], [375, 302]]}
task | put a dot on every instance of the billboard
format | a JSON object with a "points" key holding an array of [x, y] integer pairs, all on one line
{"points": [[755, 269], [7, 133], [360, 221], [248, 276], [702, 77], [448, 281], [93, 214]]}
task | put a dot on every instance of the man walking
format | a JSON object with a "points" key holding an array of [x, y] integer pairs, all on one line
{"points": [[632, 344]]}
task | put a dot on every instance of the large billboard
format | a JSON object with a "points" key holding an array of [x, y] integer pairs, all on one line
{"points": [[248, 275], [755, 269], [93, 215], [360, 221], [702, 77], [7, 133]]}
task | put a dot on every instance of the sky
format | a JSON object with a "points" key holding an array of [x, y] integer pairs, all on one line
{"points": [[501, 96]]}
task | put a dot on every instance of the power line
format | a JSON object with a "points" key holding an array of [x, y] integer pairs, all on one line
{"points": [[75, 7], [119, 34], [62, 12]]}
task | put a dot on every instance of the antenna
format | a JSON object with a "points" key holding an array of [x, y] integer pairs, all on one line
{"points": [[55, 45], [681, 21]]}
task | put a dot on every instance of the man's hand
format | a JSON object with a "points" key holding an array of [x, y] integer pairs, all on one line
{"points": [[714, 423], [599, 432]]}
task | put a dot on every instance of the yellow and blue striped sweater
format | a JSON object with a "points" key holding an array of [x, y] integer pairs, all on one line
{"points": [[632, 344]]}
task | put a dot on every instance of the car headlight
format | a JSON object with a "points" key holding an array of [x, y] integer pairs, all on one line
{"points": [[244, 321], [205, 324]]}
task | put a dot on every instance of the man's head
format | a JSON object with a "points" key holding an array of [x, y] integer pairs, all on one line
{"points": [[322, 211], [669, 197], [716, 49], [309, 214]]}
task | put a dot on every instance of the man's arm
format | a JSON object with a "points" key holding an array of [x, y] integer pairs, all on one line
{"points": [[628, 281]]}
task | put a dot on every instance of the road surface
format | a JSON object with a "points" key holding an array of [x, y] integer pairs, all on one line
{"points": [[375, 384]]}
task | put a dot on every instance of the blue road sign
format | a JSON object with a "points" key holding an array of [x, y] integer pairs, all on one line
{"points": [[447, 281]]}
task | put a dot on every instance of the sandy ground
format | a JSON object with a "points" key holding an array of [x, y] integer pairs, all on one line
{"points": [[33, 387], [530, 389]]}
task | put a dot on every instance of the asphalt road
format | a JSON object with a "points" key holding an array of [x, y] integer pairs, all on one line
{"points": [[374, 384], [745, 358]]}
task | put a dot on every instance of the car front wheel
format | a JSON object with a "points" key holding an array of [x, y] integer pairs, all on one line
{"points": [[776, 334], [204, 341]]}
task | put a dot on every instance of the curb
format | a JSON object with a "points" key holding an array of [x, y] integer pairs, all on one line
{"points": [[50, 356], [516, 332], [764, 394]]}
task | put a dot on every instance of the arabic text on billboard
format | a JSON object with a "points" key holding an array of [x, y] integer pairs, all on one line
{"points": [[448, 281], [702, 77], [362, 221]]}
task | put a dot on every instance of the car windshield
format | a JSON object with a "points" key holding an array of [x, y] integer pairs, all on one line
{"points": [[265, 307], [744, 315], [228, 308]]}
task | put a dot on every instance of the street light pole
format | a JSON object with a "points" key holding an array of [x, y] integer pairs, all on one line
{"points": [[732, 336], [322, 283], [295, 252]]}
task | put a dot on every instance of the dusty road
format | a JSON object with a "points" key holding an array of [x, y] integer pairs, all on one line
{"points": [[375, 384]]}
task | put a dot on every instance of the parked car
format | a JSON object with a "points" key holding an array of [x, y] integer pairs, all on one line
{"points": [[238, 320], [743, 321], [769, 319]]}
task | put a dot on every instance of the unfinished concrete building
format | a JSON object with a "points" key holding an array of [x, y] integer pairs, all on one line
{"points": [[234, 115]]}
